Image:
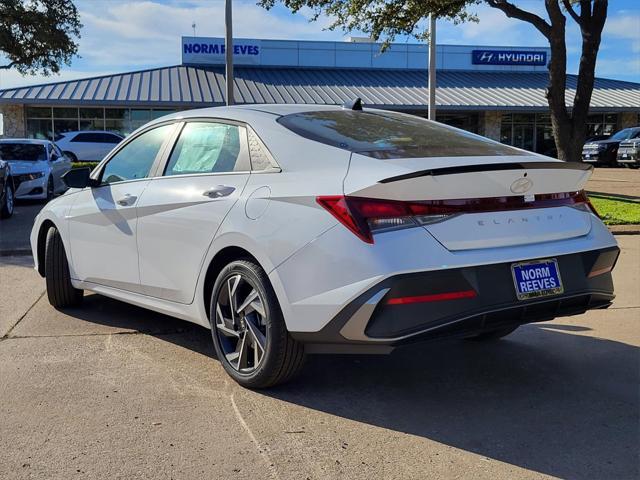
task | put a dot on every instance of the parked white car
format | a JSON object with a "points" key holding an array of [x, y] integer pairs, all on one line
{"points": [[293, 229], [87, 145], [37, 167]]}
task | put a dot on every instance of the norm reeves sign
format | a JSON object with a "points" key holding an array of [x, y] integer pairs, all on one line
{"points": [[509, 57], [211, 51]]}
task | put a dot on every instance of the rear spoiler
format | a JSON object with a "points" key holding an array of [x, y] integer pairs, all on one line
{"points": [[491, 167]]}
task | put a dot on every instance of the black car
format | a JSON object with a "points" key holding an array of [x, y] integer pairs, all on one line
{"points": [[6, 190], [604, 152]]}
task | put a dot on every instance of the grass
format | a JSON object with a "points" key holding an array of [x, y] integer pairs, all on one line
{"points": [[616, 210], [91, 165]]}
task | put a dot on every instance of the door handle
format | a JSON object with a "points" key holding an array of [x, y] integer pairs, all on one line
{"points": [[127, 200], [219, 191]]}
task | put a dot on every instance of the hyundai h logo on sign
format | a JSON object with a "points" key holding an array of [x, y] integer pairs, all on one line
{"points": [[508, 57], [211, 51]]}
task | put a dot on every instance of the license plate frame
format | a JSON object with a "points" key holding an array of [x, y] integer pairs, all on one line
{"points": [[546, 288]]}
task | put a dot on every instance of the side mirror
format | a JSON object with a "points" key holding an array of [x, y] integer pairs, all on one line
{"points": [[78, 178]]}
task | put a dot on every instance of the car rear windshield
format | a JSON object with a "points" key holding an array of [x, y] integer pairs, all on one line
{"points": [[22, 151], [389, 135]]}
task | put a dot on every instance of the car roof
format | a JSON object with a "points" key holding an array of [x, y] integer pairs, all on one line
{"points": [[245, 113], [88, 131], [31, 141]]}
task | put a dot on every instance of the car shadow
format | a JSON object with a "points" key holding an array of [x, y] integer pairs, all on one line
{"points": [[548, 398]]}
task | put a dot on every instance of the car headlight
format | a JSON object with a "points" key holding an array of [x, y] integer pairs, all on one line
{"points": [[25, 177], [601, 147]]}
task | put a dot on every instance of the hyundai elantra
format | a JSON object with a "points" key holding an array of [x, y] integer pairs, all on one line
{"points": [[294, 229]]}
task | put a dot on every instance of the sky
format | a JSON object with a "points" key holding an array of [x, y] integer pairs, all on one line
{"points": [[126, 35]]}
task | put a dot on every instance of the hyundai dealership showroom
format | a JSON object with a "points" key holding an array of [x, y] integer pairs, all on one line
{"points": [[497, 92]]}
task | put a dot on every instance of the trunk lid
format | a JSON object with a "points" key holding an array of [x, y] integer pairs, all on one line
{"points": [[511, 185]]}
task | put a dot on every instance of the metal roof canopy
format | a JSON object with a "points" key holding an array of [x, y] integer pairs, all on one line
{"points": [[192, 87]]}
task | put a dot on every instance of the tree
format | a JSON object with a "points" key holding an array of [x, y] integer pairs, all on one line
{"points": [[38, 36], [388, 18]]}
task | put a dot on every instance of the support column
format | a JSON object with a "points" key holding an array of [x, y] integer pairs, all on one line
{"points": [[13, 118], [490, 124]]}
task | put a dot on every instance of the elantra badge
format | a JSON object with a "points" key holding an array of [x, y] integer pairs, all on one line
{"points": [[521, 185]]}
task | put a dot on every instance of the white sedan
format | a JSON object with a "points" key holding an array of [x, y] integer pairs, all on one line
{"points": [[37, 167], [304, 229]]}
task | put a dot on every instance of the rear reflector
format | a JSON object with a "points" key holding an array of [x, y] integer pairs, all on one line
{"points": [[436, 297], [363, 216]]}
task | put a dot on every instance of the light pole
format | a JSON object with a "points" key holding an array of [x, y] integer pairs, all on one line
{"points": [[228, 46], [432, 67]]}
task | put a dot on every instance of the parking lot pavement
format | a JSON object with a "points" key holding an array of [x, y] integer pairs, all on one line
{"points": [[615, 181], [113, 391], [15, 231]]}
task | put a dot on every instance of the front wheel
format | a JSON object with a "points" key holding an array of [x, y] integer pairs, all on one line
{"points": [[249, 333], [60, 292], [6, 208]]}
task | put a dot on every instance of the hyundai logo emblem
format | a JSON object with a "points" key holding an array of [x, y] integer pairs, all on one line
{"points": [[521, 185]]}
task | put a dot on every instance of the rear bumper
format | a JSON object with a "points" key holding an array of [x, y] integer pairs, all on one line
{"points": [[370, 320]]}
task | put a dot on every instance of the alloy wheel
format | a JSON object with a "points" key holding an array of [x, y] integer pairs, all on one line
{"points": [[240, 322]]}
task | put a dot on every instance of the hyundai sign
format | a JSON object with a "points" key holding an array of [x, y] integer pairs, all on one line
{"points": [[211, 51], [509, 57]]}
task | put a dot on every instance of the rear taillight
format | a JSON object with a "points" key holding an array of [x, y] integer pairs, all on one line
{"points": [[364, 216]]}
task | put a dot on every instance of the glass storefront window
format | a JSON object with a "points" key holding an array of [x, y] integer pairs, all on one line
{"points": [[465, 121], [65, 112], [116, 113], [63, 125], [527, 118], [116, 126], [38, 112], [94, 113], [40, 128], [97, 124], [160, 113]]}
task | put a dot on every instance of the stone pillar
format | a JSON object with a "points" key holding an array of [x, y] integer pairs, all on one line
{"points": [[13, 117], [628, 119], [490, 123]]}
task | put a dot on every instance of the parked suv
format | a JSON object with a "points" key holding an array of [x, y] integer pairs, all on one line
{"points": [[604, 152], [629, 153], [88, 145]]}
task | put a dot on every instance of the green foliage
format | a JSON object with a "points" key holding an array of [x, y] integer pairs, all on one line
{"points": [[616, 210], [382, 18], [91, 165], [38, 36]]}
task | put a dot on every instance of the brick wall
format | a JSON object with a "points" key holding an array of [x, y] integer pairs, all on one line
{"points": [[628, 119]]}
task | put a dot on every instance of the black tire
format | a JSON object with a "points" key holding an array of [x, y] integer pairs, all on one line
{"points": [[60, 292], [8, 201], [493, 335], [50, 189], [282, 356], [71, 156]]}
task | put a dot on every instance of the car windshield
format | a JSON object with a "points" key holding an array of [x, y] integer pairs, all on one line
{"points": [[625, 134], [389, 135], [29, 152]]}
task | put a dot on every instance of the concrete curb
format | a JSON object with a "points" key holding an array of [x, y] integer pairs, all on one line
{"points": [[625, 229]]}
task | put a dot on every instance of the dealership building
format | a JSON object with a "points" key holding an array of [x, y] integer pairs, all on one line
{"points": [[498, 92]]}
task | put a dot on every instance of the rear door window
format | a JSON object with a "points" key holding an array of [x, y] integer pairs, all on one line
{"points": [[207, 147], [389, 135]]}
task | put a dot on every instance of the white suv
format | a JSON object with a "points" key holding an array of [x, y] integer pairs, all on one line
{"points": [[88, 145]]}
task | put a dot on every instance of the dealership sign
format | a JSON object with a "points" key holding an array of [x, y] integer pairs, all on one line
{"points": [[211, 51], [508, 57]]}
